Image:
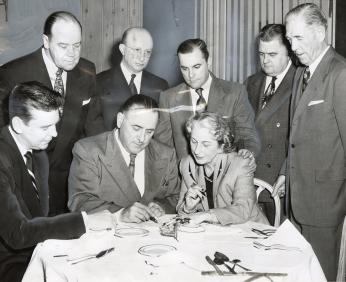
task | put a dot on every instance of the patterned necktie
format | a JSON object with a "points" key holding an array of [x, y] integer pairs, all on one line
{"points": [[30, 169], [59, 84], [132, 164], [268, 94], [306, 77], [201, 104], [132, 85]]}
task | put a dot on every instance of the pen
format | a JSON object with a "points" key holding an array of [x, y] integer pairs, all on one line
{"points": [[153, 219]]}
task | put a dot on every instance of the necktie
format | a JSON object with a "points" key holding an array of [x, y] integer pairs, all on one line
{"points": [[132, 85], [268, 94], [201, 104], [30, 169], [132, 164], [306, 77], [59, 84]]}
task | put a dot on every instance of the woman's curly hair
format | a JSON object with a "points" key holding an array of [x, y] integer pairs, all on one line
{"points": [[220, 127]]}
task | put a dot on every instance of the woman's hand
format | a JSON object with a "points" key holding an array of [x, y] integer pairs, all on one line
{"points": [[193, 196]]}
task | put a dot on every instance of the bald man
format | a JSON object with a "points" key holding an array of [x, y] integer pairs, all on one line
{"points": [[117, 84]]}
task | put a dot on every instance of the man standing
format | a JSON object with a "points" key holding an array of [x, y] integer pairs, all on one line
{"points": [[315, 167], [269, 94], [124, 170], [34, 111], [116, 85], [203, 91], [57, 65]]}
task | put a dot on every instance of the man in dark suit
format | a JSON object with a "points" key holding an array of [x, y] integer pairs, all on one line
{"points": [[203, 91], [117, 84], [315, 166], [124, 170], [269, 94], [34, 111], [57, 65]]}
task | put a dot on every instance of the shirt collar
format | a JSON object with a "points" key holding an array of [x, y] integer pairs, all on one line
{"points": [[279, 77], [22, 149], [51, 67], [313, 66], [124, 152], [205, 86], [128, 74]]}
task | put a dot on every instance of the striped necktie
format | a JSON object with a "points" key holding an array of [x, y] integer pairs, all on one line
{"points": [[306, 77], [29, 166], [201, 104], [270, 91]]}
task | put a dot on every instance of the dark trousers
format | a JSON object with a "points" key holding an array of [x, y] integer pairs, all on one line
{"points": [[325, 242], [14, 272]]}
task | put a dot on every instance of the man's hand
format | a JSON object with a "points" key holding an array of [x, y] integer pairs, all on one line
{"points": [[246, 154], [156, 209], [279, 186], [136, 213]]}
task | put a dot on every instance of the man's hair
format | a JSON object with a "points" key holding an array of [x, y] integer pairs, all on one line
{"points": [[128, 31], [219, 126], [311, 13], [189, 45], [33, 95], [60, 15], [272, 31], [140, 101]]}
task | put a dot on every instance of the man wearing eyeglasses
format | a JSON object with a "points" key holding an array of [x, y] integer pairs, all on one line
{"points": [[117, 84]]}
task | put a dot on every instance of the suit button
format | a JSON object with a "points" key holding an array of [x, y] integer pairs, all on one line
{"points": [[278, 124], [269, 146], [269, 165], [293, 146]]}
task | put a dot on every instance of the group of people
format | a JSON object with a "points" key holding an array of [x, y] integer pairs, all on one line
{"points": [[81, 151]]}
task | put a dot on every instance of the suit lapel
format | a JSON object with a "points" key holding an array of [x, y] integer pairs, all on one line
{"points": [[282, 94], [184, 102], [114, 162], [312, 90], [216, 97]]}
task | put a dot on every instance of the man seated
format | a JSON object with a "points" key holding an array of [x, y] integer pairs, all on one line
{"points": [[34, 111], [125, 170]]}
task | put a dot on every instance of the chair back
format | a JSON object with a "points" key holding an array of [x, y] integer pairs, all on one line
{"points": [[262, 185], [341, 276]]}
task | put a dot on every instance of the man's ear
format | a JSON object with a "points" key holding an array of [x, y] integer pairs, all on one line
{"points": [[122, 48], [209, 62], [45, 40], [320, 33], [17, 124], [120, 119]]}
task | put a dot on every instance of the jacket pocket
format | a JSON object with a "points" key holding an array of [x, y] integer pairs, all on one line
{"points": [[331, 174]]}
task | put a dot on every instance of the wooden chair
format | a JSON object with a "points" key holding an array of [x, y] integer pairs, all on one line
{"points": [[262, 185], [341, 276]]}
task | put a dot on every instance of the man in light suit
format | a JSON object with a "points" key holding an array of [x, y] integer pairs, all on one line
{"points": [[57, 65], [217, 95], [34, 111], [269, 93], [124, 170], [116, 85], [315, 166]]}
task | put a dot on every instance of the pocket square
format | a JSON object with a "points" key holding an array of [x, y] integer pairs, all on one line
{"points": [[86, 102], [311, 103]]}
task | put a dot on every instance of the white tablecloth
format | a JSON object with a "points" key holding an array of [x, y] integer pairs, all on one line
{"points": [[185, 264]]}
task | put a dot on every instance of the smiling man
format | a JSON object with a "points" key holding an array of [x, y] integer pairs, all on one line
{"points": [[59, 66], [269, 93], [124, 170], [200, 91], [116, 85], [315, 167]]}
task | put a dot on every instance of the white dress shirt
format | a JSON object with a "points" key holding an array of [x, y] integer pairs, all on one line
{"points": [[279, 77], [205, 93], [52, 69], [128, 74], [139, 176]]}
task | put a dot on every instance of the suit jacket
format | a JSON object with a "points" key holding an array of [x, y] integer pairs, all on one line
{"points": [[225, 98], [272, 123], [80, 87], [113, 90], [316, 162], [234, 195], [100, 178], [23, 218]]}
